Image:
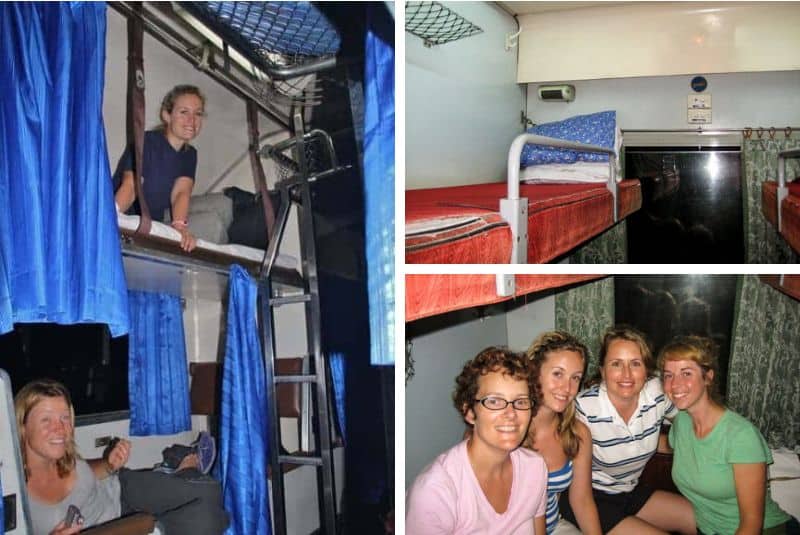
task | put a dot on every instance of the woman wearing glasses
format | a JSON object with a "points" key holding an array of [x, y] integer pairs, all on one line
{"points": [[485, 484]]}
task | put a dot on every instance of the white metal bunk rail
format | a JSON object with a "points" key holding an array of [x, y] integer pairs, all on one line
{"points": [[515, 209]]}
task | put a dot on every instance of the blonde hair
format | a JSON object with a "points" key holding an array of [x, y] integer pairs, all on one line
{"points": [[700, 350], [26, 399], [168, 102], [627, 333], [538, 353]]}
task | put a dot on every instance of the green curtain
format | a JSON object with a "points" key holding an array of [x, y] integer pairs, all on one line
{"points": [[610, 247], [586, 311], [764, 363], [763, 244]]}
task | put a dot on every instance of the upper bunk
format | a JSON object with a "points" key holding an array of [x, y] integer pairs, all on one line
{"points": [[274, 57], [780, 201], [564, 195]]}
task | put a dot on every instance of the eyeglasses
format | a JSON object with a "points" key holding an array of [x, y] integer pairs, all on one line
{"points": [[494, 403]]}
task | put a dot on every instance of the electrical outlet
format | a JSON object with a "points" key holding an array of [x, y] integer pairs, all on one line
{"points": [[701, 102]]}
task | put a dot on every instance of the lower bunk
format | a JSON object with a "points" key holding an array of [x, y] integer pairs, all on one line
{"points": [[463, 224], [782, 211], [780, 202]]}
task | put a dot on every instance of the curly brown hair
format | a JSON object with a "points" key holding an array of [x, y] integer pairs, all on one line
{"points": [[628, 333], [26, 399], [545, 344], [699, 349], [493, 359]]}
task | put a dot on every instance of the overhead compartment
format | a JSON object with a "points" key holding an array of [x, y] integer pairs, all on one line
{"points": [[658, 39]]}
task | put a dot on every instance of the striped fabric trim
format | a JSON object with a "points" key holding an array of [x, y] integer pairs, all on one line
{"points": [[625, 440], [557, 482], [623, 462], [621, 449]]}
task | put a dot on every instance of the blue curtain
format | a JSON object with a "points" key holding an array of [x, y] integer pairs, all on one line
{"points": [[338, 374], [379, 180], [243, 417], [59, 250], [158, 378]]}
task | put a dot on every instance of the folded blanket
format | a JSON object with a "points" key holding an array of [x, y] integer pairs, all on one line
{"points": [[594, 129]]}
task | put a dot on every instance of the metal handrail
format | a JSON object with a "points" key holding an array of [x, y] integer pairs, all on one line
{"points": [[515, 209]]}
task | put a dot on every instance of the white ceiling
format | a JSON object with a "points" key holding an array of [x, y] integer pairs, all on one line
{"points": [[525, 8]]}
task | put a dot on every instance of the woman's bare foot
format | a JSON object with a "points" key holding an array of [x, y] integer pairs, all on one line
{"points": [[190, 461]]}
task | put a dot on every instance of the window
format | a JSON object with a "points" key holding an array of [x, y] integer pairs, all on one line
{"points": [[92, 365], [663, 307], [691, 205]]}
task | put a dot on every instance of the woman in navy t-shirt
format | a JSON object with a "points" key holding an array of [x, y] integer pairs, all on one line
{"points": [[169, 163]]}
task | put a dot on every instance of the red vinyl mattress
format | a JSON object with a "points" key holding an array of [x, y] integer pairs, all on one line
{"points": [[429, 295], [790, 211], [462, 224]]}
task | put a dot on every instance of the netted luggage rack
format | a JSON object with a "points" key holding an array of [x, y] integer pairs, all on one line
{"points": [[318, 154], [289, 41], [436, 24]]}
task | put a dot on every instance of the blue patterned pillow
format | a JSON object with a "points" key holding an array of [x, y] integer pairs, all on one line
{"points": [[594, 129]]}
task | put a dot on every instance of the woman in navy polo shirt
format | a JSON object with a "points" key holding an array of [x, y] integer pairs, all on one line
{"points": [[624, 413], [169, 164]]}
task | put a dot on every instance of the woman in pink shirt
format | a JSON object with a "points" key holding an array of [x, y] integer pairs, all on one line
{"points": [[487, 483]]}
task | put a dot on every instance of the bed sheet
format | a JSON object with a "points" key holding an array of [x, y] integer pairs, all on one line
{"points": [[567, 173], [243, 252], [461, 225]]}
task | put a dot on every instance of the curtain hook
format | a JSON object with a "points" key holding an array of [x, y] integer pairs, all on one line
{"points": [[787, 132], [747, 132], [760, 132], [772, 132]]}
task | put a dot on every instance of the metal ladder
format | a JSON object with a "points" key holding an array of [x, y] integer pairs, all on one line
{"points": [[296, 190]]}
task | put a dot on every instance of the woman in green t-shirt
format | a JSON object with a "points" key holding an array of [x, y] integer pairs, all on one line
{"points": [[721, 459]]}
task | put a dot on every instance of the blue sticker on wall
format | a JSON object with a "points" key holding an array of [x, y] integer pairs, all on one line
{"points": [[699, 84]]}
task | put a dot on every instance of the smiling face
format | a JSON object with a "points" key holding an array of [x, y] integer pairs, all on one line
{"points": [[183, 123], [48, 430], [560, 377], [499, 431], [624, 371], [685, 383]]}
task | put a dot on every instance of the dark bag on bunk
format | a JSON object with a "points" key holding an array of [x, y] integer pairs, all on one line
{"points": [[249, 226]]}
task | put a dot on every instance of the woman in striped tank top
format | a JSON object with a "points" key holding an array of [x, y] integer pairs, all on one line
{"points": [[559, 361]]}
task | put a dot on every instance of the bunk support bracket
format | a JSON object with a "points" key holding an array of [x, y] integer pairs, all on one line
{"points": [[515, 212], [257, 170], [783, 190], [135, 111], [612, 185], [505, 284]]}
